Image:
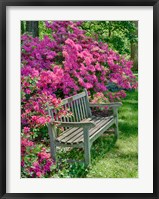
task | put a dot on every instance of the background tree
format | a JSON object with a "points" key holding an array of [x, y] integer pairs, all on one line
{"points": [[121, 36], [33, 28], [22, 27], [134, 47]]}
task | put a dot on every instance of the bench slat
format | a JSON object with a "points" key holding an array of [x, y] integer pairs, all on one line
{"points": [[70, 118], [75, 135], [87, 104], [101, 122], [72, 110], [85, 107], [78, 111], [70, 131], [80, 108], [100, 131], [73, 98], [75, 112], [104, 122], [77, 138], [55, 111]]}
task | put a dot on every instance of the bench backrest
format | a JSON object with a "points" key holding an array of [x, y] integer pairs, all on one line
{"points": [[78, 104]]}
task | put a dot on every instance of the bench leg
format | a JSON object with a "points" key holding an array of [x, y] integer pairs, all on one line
{"points": [[116, 130], [53, 152], [52, 142], [115, 113], [87, 148]]}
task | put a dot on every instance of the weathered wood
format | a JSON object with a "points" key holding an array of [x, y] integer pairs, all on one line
{"points": [[72, 134], [82, 129], [82, 108], [87, 148], [115, 113], [99, 124], [79, 138], [52, 135], [78, 111], [77, 124], [87, 104], [71, 131], [85, 107], [75, 111], [115, 104], [72, 110], [75, 135], [55, 111], [73, 98], [101, 131], [70, 118], [102, 123]]}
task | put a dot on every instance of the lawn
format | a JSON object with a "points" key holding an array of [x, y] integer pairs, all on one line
{"points": [[110, 159]]}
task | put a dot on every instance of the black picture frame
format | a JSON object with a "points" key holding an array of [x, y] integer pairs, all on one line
{"points": [[3, 6]]}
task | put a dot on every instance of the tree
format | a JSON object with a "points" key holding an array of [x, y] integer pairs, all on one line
{"points": [[134, 48], [22, 27], [120, 35], [33, 28]]}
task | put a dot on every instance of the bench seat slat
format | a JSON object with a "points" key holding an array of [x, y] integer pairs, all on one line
{"points": [[75, 135], [70, 131], [71, 136], [101, 130], [78, 137], [100, 123]]}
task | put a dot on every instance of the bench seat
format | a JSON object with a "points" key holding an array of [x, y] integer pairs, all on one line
{"points": [[75, 135]]}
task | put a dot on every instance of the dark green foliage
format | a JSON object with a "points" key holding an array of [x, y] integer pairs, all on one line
{"points": [[118, 34]]}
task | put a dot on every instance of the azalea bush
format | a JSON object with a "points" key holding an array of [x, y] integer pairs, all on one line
{"points": [[59, 65]]}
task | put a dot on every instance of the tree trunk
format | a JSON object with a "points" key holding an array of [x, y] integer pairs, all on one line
{"points": [[33, 28], [134, 49], [109, 34], [22, 27]]}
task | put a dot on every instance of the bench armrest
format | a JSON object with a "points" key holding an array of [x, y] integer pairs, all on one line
{"points": [[76, 124], [114, 104]]}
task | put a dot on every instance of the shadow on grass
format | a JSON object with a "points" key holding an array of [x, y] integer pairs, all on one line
{"points": [[128, 116], [102, 146], [77, 169], [128, 129]]}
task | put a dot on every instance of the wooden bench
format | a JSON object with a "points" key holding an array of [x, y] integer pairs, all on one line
{"points": [[82, 129]]}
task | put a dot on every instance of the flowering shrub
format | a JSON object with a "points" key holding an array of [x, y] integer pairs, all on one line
{"points": [[59, 66], [36, 162]]}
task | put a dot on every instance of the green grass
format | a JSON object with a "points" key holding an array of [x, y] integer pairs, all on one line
{"points": [[110, 159]]}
